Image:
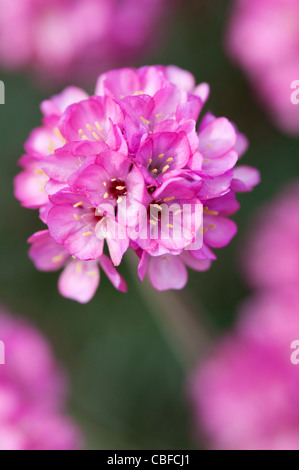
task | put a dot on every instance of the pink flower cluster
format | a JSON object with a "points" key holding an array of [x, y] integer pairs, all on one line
{"points": [[66, 40], [272, 255], [263, 37], [245, 393], [32, 392], [133, 142]]}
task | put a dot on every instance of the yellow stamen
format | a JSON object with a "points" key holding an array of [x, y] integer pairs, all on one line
{"points": [[87, 234], [170, 225], [106, 195], [79, 268], [76, 217], [80, 132], [212, 226], [169, 160], [38, 171], [84, 137], [91, 273], [159, 115], [58, 133], [95, 135], [168, 199], [178, 211], [144, 120], [120, 188], [78, 204], [165, 168], [51, 147], [161, 155], [210, 212], [98, 126], [57, 258], [89, 127], [155, 170], [150, 160], [153, 222]]}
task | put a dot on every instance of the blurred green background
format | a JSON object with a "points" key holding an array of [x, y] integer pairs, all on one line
{"points": [[127, 381]]}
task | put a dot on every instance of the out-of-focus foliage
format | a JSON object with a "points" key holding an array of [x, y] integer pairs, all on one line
{"points": [[127, 385]]}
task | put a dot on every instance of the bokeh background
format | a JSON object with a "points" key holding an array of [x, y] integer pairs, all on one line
{"points": [[127, 378]]}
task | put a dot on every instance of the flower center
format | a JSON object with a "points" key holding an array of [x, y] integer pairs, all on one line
{"points": [[117, 188]]}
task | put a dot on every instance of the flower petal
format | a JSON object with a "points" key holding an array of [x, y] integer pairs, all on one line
{"points": [[167, 272], [79, 280]]}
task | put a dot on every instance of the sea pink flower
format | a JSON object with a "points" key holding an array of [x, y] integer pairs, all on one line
{"points": [[272, 254], [74, 40], [98, 162], [263, 38], [245, 392], [32, 392]]}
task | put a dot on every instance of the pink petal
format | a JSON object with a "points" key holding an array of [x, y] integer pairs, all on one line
{"points": [[58, 103], [167, 272], [29, 187], [118, 83], [79, 280], [143, 265], [115, 278], [90, 119], [217, 138], [181, 78], [245, 178], [219, 230], [45, 253], [194, 263], [219, 165]]}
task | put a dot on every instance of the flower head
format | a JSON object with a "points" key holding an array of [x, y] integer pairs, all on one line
{"points": [[128, 168], [32, 392], [263, 38], [245, 392], [75, 40], [272, 255]]}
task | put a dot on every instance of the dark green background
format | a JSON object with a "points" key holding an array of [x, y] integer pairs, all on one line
{"points": [[127, 383]]}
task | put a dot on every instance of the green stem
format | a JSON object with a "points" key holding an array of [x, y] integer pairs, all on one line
{"points": [[185, 327]]}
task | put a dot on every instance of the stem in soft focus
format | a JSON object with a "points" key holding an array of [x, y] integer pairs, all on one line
{"points": [[185, 327]]}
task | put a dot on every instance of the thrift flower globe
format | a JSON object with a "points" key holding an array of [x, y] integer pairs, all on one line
{"points": [[64, 40], [128, 168], [245, 392], [263, 38], [32, 392], [272, 255]]}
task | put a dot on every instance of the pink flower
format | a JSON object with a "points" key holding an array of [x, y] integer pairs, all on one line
{"points": [[65, 40], [263, 38], [245, 392], [127, 168], [272, 254], [32, 392]]}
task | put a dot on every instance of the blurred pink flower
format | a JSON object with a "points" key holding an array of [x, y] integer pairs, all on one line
{"points": [[135, 143], [245, 392], [271, 257], [32, 392], [74, 40], [263, 38]]}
